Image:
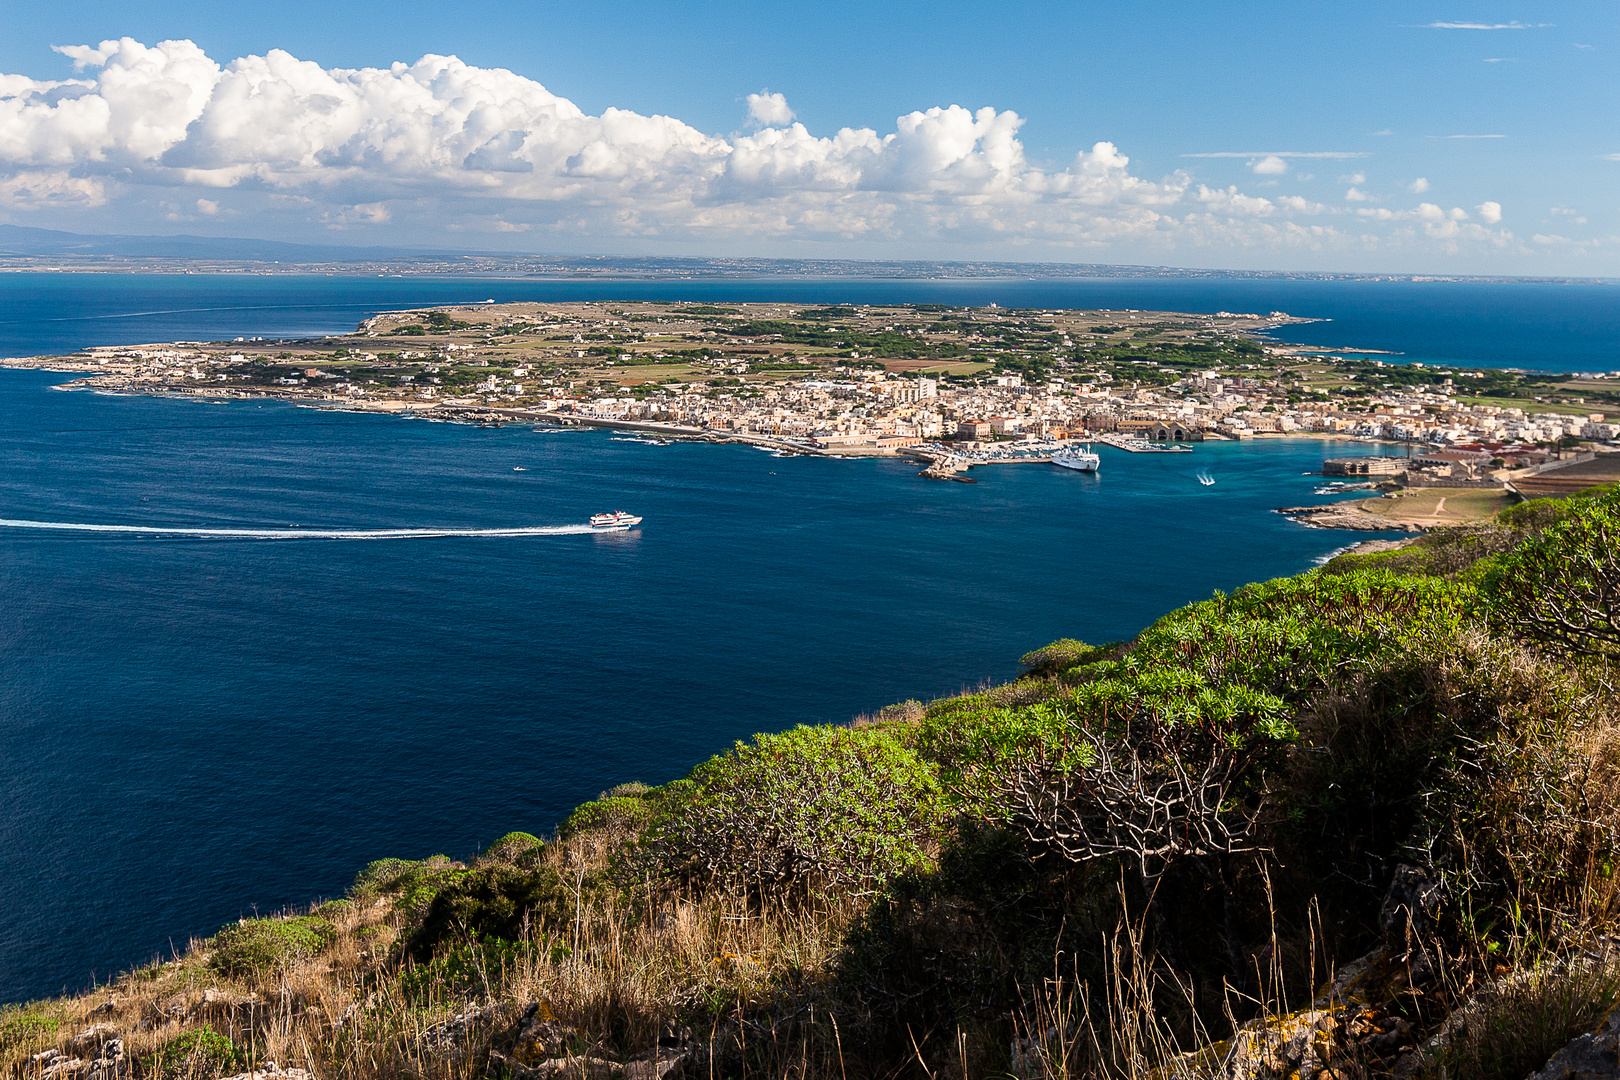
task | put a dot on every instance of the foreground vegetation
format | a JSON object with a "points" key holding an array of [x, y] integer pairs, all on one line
{"points": [[1359, 822]]}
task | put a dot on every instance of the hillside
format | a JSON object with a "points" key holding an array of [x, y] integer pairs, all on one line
{"points": [[1356, 823]]}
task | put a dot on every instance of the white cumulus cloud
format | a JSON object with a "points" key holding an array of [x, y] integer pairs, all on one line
{"points": [[441, 144], [1490, 212], [769, 110], [1418, 186]]}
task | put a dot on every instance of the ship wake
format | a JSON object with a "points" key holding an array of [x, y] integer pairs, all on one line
{"points": [[291, 533]]}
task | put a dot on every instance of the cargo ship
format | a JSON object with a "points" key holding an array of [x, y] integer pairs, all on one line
{"points": [[616, 520]]}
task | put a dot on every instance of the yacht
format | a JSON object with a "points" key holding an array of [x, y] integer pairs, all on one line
{"points": [[616, 520]]}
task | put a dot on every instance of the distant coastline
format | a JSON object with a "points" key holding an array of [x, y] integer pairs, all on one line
{"points": [[30, 249]]}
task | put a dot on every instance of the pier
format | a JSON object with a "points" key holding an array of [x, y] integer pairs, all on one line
{"points": [[1141, 446]]}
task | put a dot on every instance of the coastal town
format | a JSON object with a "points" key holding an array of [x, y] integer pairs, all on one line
{"points": [[952, 387]]}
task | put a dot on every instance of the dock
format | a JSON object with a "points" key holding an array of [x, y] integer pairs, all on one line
{"points": [[1141, 446]]}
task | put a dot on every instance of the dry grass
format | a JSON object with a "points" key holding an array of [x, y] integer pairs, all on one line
{"points": [[614, 972]]}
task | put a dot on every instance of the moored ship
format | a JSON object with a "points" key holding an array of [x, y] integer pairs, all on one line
{"points": [[616, 520], [1075, 458]]}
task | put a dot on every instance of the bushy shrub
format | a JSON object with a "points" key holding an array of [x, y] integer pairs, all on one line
{"points": [[491, 903], [381, 875], [1521, 818], [633, 789], [814, 807], [201, 1053], [1150, 769], [1562, 587], [257, 946], [413, 885], [1058, 657], [622, 815], [460, 972], [515, 847], [334, 910]]}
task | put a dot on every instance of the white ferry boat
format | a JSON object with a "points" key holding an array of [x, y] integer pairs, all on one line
{"points": [[1080, 460], [616, 520]]}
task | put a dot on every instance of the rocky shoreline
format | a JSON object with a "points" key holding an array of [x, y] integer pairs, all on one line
{"points": [[1348, 516]]}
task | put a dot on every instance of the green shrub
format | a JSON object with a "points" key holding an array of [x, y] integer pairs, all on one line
{"points": [[22, 1028], [620, 814], [1058, 657], [635, 789], [256, 946], [491, 903], [200, 1053], [413, 885], [836, 808], [460, 972], [1562, 586], [334, 910], [382, 875], [515, 847]]}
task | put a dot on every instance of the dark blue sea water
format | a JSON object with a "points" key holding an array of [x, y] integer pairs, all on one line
{"points": [[191, 730], [195, 728], [1545, 326]]}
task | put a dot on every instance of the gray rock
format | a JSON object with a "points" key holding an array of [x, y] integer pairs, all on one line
{"points": [[1407, 914], [455, 1033], [272, 1071], [108, 1061], [219, 1004], [658, 1067], [92, 1038], [1594, 1056], [541, 1038], [573, 1068], [57, 1067]]}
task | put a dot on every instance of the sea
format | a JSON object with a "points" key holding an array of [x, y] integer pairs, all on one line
{"points": [[195, 729]]}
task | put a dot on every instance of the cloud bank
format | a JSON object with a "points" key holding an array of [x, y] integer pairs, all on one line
{"points": [[445, 144]]}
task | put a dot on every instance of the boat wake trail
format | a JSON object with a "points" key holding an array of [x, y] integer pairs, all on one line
{"points": [[291, 533]]}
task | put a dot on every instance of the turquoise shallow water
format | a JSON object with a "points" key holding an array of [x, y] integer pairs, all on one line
{"points": [[194, 729]]}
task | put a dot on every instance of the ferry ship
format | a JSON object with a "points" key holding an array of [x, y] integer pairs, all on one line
{"points": [[1080, 460], [616, 520]]}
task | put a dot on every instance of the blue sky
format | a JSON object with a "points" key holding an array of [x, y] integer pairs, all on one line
{"points": [[1466, 136]]}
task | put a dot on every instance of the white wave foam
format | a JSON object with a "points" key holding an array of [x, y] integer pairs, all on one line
{"points": [[292, 534], [1323, 560]]}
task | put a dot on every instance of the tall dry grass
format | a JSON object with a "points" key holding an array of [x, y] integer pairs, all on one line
{"points": [[615, 973]]}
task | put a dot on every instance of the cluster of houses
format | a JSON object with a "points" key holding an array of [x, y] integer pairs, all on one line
{"points": [[856, 408], [878, 410]]}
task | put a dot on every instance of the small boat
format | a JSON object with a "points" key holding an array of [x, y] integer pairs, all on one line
{"points": [[616, 520], [1080, 460], [519, 468]]}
